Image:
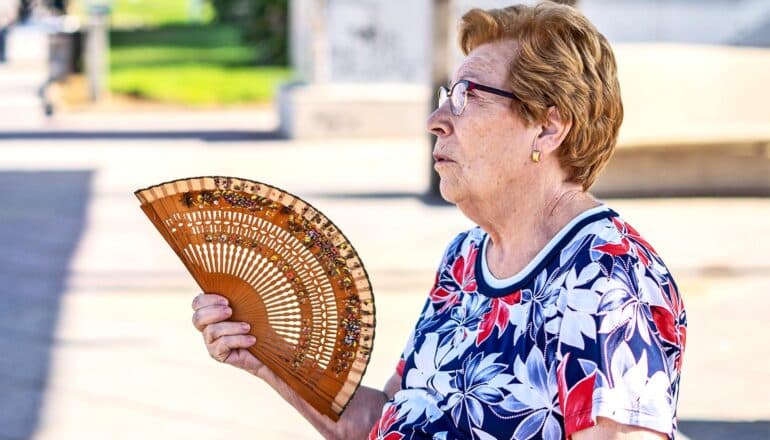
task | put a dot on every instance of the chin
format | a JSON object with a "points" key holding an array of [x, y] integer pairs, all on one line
{"points": [[448, 192]]}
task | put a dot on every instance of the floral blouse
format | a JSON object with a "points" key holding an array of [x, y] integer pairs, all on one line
{"points": [[593, 326]]}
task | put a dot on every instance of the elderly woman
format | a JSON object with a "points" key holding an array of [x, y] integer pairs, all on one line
{"points": [[553, 318]]}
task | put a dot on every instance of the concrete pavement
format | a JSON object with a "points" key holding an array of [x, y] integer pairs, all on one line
{"points": [[20, 106], [122, 359], [95, 333]]}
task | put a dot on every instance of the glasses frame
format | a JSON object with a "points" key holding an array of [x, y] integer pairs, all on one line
{"points": [[445, 94]]}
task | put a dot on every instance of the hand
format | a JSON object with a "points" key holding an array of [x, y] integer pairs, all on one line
{"points": [[226, 341]]}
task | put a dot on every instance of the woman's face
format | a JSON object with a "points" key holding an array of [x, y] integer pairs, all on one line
{"points": [[487, 148]]}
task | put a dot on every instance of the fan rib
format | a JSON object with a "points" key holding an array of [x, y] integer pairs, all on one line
{"points": [[234, 237]]}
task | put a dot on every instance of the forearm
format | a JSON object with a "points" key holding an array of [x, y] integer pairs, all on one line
{"points": [[355, 423]]}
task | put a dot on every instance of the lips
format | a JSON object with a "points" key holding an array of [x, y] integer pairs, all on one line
{"points": [[439, 158]]}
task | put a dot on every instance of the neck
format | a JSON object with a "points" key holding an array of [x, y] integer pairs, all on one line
{"points": [[519, 226]]}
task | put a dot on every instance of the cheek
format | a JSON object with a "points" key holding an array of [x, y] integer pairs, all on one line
{"points": [[481, 152], [494, 164], [491, 151], [473, 136]]}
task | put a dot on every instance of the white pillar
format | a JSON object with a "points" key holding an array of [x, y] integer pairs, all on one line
{"points": [[97, 50]]}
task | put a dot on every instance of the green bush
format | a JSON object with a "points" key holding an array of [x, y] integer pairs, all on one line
{"points": [[139, 13], [191, 64], [205, 84], [263, 22]]}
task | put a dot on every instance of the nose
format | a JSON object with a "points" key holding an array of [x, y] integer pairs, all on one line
{"points": [[439, 124]]}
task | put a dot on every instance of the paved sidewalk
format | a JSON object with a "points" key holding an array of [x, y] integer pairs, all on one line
{"points": [[20, 105], [122, 360], [95, 310]]}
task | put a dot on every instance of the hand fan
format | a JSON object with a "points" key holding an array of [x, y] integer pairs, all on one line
{"points": [[285, 269]]}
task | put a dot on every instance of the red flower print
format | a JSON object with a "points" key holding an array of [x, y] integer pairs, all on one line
{"points": [[462, 279], [497, 316], [680, 354], [629, 239], [615, 249], [670, 323], [464, 272], [380, 429], [576, 402], [448, 298], [664, 321], [400, 367]]}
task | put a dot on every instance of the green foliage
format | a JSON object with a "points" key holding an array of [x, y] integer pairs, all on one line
{"points": [[137, 13], [200, 84], [163, 56], [179, 35], [189, 64], [260, 22], [264, 22]]}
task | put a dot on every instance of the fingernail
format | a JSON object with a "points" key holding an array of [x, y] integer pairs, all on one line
{"points": [[228, 310], [222, 302], [245, 325], [252, 339]]}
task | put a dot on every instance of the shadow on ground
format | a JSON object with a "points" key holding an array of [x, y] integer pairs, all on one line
{"points": [[42, 215], [720, 430]]}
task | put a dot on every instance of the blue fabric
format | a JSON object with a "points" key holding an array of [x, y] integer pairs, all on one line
{"points": [[597, 328]]}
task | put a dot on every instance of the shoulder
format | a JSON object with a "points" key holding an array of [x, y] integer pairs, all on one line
{"points": [[611, 260], [613, 275], [610, 241], [616, 237], [627, 261]]}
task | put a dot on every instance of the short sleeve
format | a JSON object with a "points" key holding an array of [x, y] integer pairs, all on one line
{"points": [[615, 359]]}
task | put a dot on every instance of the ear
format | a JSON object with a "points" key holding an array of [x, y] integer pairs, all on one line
{"points": [[553, 131]]}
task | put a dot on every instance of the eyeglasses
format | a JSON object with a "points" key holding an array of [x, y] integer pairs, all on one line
{"points": [[458, 95]]}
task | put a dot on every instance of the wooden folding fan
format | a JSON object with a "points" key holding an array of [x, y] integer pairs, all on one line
{"points": [[285, 268]]}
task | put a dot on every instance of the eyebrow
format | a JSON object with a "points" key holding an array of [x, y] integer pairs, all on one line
{"points": [[466, 76], [471, 74], [480, 63]]}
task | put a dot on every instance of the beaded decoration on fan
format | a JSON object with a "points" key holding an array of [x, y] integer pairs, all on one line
{"points": [[285, 269]]}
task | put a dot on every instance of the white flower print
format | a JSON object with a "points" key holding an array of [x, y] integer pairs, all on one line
{"points": [[459, 330], [537, 392], [631, 387], [534, 308], [417, 404], [428, 359], [578, 306], [478, 384], [621, 306]]}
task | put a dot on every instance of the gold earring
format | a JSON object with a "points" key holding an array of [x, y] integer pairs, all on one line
{"points": [[535, 156]]}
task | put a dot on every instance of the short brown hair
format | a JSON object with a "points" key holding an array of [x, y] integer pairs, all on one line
{"points": [[562, 60]]}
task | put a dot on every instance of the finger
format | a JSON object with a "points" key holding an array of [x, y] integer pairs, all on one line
{"points": [[214, 331], [242, 358], [209, 315], [208, 299], [222, 347]]}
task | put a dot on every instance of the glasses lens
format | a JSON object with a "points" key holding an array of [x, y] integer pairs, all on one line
{"points": [[443, 94], [458, 97]]}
